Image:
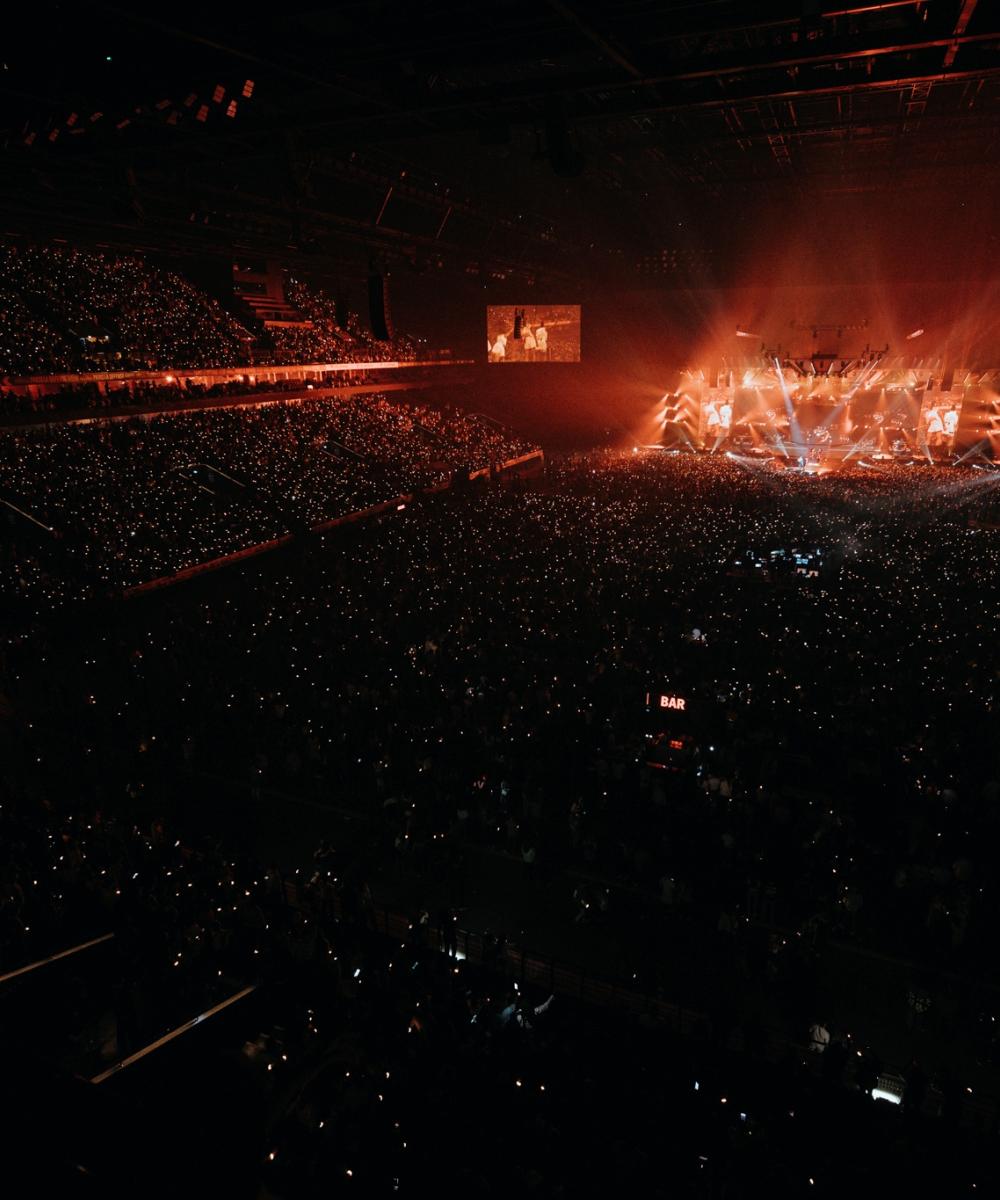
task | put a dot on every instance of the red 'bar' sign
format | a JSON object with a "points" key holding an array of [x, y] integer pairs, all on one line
{"points": [[677, 703]]}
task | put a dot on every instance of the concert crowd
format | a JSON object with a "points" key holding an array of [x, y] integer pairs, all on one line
{"points": [[355, 1063], [330, 337], [467, 680], [102, 506], [64, 309]]}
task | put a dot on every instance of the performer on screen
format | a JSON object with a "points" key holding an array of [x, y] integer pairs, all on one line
{"points": [[529, 343], [950, 424], [935, 427], [712, 420], [542, 341], [500, 348], [725, 418]]}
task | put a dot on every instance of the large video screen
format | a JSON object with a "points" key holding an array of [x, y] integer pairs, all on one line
{"points": [[879, 418], [940, 414], [533, 333]]}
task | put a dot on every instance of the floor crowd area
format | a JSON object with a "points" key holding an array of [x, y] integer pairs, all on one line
{"points": [[318, 1056], [472, 685]]}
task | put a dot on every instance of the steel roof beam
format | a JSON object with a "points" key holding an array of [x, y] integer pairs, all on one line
{"points": [[964, 17]]}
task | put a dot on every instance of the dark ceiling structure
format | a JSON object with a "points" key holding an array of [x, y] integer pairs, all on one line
{"points": [[550, 140]]}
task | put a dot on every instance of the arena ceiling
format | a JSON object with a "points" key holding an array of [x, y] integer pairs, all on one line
{"points": [[558, 137]]}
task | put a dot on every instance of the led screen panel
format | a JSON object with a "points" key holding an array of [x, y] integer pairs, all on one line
{"points": [[533, 333]]}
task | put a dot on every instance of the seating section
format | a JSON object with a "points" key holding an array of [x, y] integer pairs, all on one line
{"points": [[69, 310], [29, 345], [105, 506], [326, 339], [98, 311]]}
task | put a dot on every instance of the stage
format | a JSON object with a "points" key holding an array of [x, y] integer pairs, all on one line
{"points": [[822, 414], [803, 459]]}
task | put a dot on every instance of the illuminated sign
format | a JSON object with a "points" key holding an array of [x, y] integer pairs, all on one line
{"points": [[677, 703]]}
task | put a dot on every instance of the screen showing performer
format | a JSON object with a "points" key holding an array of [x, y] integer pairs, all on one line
{"points": [[939, 417], [533, 333]]}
